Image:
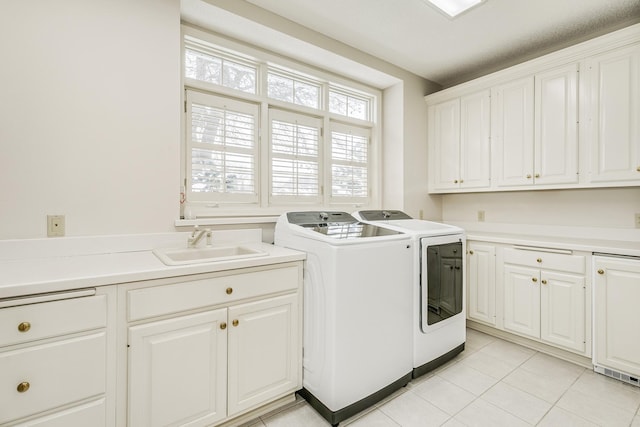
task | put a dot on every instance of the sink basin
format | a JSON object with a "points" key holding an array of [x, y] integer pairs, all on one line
{"points": [[179, 256]]}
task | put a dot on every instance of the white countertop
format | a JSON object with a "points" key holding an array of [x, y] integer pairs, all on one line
{"points": [[588, 239], [48, 265]]}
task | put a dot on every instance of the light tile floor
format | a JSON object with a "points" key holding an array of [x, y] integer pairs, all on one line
{"points": [[492, 383]]}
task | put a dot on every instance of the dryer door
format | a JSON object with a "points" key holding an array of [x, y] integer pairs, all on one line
{"points": [[441, 278]]}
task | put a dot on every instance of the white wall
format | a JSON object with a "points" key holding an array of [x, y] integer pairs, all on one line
{"points": [[606, 207], [89, 116]]}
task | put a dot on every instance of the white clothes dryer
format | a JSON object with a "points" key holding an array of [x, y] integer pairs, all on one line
{"points": [[438, 282], [357, 309]]}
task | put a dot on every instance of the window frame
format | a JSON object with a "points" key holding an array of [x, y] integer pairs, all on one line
{"points": [[265, 204]]}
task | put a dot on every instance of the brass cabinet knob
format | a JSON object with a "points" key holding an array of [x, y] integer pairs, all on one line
{"points": [[455, 181], [638, 169], [470, 252], [235, 322], [229, 291], [544, 282], [23, 386], [537, 175], [223, 325], [461, 181], [539, 260], [528, 176], [534, 280], [24, 326], [600, 271]]}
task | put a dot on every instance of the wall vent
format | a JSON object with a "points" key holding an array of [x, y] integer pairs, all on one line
{"points": [[621, 376]]}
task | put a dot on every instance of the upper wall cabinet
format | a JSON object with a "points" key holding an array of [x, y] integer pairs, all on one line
{"points": [[513, 133], [556, 126], [459, 148], [565, 120], [614, 125]]}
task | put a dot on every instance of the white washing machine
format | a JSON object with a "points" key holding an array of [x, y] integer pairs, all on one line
{"points": [[357, 309], [438, 282]]}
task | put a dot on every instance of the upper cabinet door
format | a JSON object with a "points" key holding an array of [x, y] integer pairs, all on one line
{"points": [[556, 126], [475, 143], [513, 133], [614, 111], [444, 144]]}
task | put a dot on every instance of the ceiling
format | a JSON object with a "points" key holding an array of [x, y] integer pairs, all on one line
{"points": [[416, 37]]}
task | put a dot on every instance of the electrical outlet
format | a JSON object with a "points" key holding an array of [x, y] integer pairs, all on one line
{"points": [[55, 225], [638, 220], [481, 216]]}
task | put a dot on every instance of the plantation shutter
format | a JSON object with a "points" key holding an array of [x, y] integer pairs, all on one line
{"points": [[349, 163], [222, 149], [294, 157]]}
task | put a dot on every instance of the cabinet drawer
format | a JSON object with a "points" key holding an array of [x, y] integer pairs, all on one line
{"points": [[546, 260], [57, 373], [49, 319], [166, 299], [89, 414]]}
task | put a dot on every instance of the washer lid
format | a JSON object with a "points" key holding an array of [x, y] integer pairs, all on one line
{"points": [[337, 225]]}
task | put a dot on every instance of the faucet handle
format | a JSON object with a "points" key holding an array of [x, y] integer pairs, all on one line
{"points": [[195, 230]]}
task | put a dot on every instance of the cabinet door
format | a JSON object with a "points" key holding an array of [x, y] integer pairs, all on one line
{"points": [[475, 148], [614, 110], [264, 356], [512, 131], [522, 300], [616, 314], [556, 126], [562, 301], [444, 143], [481, 269], [177, 371]]}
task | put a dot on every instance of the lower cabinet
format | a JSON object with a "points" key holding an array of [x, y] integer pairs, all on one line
{"points": [[178, 370], [239, 351], [545, 296], [481, 280], [616, 314], [55, 363], [539, 293]]}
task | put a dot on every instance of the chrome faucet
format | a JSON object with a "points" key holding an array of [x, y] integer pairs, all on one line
{"points": [[197, 235]]}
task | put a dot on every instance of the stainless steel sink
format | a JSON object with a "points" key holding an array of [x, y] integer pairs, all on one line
{"points": [[179, 256]]}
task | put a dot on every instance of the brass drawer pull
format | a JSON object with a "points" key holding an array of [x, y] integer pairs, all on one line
{"points": [[23, 386], [24, 326], [534, 280], [223, 325], [235, 322], [539, 260], [229, 291], [544, 282], [470, 252], [600, 271]]}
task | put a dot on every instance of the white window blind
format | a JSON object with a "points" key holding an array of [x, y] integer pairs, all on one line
{"points": [[222, 147], [295, 157], [349, 163]]}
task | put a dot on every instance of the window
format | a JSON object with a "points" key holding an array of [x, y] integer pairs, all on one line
{"points": [[208, 65], [264, 135], [295, 157], [222, 146], [349, 163], [293, 90], [349, 104]]}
